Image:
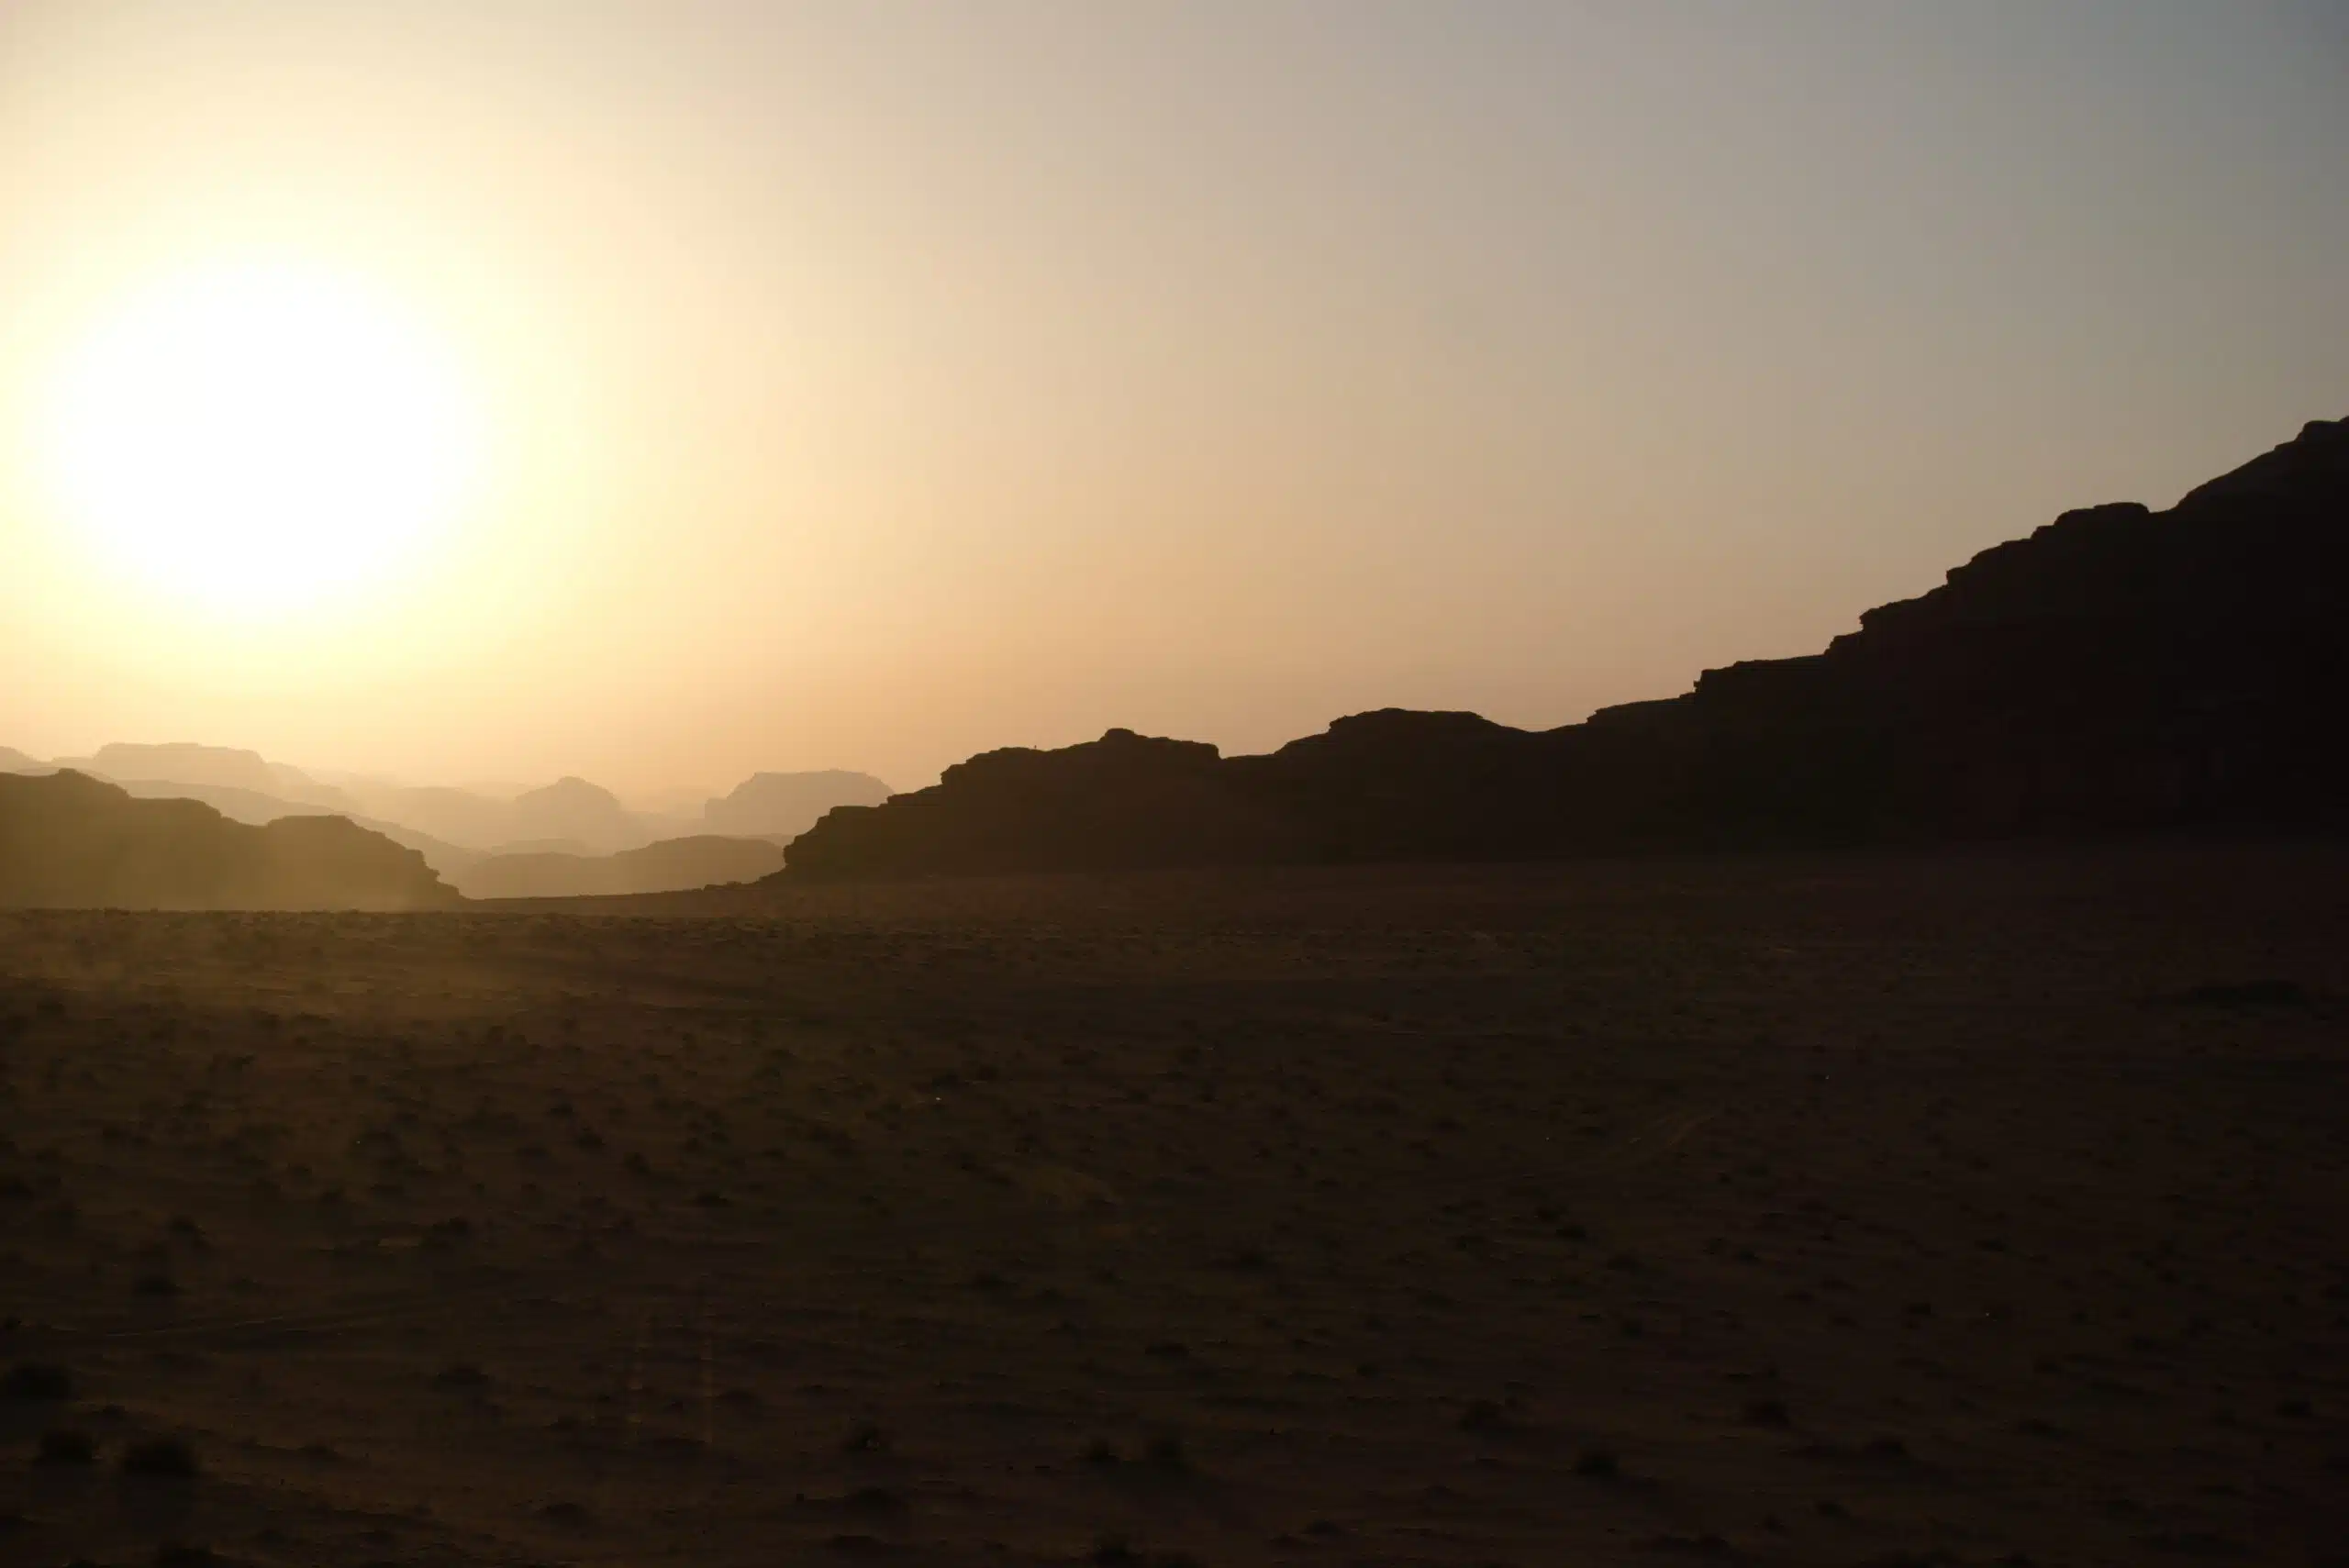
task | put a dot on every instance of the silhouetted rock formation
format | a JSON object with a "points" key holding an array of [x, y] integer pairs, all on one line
{"points": [[671, 865], [15, 761], [2119, 670], [783, 805], [1124, 799], [67, 840]]}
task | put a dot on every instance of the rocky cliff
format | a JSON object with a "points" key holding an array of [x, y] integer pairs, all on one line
{"points": [[2119, 670]]}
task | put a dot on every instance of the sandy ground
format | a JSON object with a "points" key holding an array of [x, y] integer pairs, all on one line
{"points": [[1962, 1209]]}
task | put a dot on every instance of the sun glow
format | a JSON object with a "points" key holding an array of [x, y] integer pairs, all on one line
{"points": [[261, 440]]}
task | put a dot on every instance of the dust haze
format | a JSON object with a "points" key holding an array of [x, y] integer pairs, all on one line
{"points": [[1173, 785]]}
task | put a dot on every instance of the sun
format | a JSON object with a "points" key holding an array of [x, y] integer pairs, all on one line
{"points": [[259, 439]]}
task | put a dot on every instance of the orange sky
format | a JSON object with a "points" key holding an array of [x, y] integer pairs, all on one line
{"points": [[866, 385]]}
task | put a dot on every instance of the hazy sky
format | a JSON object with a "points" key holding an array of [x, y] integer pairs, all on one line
{"points": [[865, 385]]}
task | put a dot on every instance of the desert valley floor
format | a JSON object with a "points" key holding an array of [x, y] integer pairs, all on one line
{"points": [[1965, 1208]]}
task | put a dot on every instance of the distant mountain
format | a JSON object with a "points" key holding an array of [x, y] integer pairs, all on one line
{"points": [[67, 840], [15, 761], [227, 766], [2120, 670], [671, 865], [452, 826], [783, 806], [459, 817], [570, 814], [245, 806], [573, 808], [571, 847], [182, 760]]}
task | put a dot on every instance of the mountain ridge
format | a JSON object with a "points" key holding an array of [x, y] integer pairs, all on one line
{"points": [[2117, 670], [68, 841], [665, 866]]}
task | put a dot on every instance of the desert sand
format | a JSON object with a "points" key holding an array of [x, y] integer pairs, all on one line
{"points": [[1954, 1209]]}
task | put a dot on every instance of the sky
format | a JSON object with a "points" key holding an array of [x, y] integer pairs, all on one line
{"points": [[661, 393]]}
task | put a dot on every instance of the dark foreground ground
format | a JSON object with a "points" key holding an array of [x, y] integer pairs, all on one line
{"points": [[1957, 1210]]}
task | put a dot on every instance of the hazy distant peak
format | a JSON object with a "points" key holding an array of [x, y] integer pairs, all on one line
{"points": [[213, 767], [573, 808], [15, 761], [820, 778], [569, 788], [185, 760], [783, 806]]}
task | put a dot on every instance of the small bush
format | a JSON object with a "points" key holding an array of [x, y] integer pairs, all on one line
{"points": [[1768, 1413], [167, 1457], [1598, 1463], [866, 1439]]}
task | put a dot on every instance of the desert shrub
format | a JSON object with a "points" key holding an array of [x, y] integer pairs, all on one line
{"points": [[1598, 1463], [1101, 1451], [866, 1437], [167, 1457], [1166, 1452], [1768, 1413]]}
